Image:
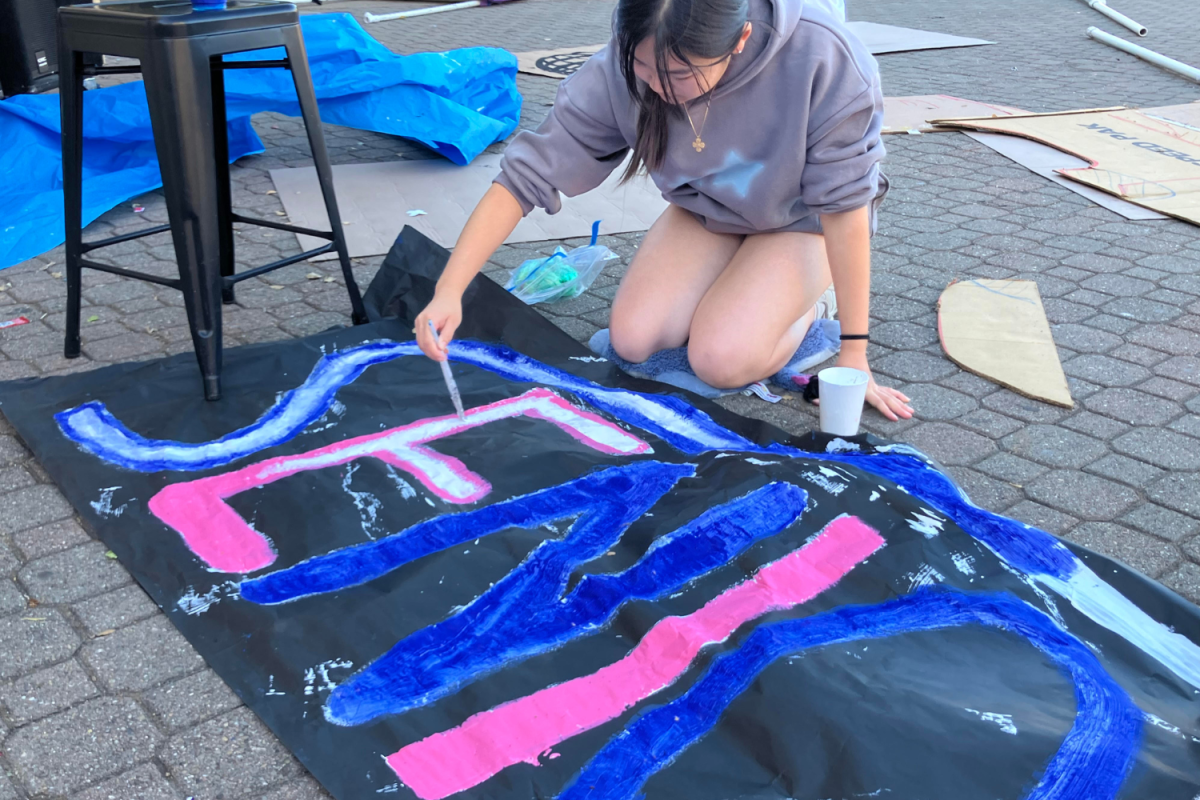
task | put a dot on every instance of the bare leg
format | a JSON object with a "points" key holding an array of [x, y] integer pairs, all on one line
{"points": [[675, 267], [759, 309]]}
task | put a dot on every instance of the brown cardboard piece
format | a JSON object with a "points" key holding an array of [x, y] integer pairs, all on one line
{"points": [[998, 330], [374, 200], [1048, 161], [912, 114], [1142, 156], [879, 39]]}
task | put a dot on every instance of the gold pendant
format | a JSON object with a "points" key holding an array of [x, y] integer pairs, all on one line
{"points": [[698, 145]]}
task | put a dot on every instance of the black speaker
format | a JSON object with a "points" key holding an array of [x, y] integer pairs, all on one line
{"points": [[29, 45]]}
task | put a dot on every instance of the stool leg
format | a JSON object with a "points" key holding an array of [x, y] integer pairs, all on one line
{"points": [[179, 90], [224, 191], [298, 59], [71, 108]]}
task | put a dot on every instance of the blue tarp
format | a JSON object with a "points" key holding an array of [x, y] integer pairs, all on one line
{"points": [[456, 103]]}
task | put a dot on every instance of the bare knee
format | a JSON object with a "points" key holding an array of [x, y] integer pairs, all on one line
{"points": [[631, 343], [725, 365]]}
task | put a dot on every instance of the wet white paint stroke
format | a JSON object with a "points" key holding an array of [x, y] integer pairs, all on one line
{"points": [[1005, 721], [874, 497], [1159, 722], [406, 489], [760, 463], [337, 409], [833, 487], [1047, 600], [193, 603], [925, 523], [1108, 607], [590, 359], [271, 690], [902, 449], [836, 472], [368, 505], [104, 506], [963, 563], [391, 788], [925, 576], [841, 446]]}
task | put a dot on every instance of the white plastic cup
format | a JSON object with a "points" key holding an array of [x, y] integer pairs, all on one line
{"points": [[843, 391]]}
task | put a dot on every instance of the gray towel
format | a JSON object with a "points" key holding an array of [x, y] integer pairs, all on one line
{"points": [[671, 366]]}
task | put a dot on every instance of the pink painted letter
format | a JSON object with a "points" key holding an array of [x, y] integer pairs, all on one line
{"points": [[226, 542], [450, 762]]}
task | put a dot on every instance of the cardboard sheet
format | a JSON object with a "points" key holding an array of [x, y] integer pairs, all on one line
{"points": [[375, 200], [1187, 114], [998, 330], [1047, 161], [1140, 156], [878, 38], [882, 39], [909, 114]]}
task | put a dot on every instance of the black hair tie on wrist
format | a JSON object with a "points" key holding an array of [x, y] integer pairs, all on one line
{"points": [[856, 337]]}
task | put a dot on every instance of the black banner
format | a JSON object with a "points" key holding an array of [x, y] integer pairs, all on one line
{"points": [[595, 588]]}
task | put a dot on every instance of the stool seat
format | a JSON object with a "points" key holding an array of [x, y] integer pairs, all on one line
{"points": [[181, 54], [170, 19]]}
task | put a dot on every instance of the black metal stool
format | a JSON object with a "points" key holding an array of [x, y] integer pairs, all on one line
{"points": [[181, 53]]}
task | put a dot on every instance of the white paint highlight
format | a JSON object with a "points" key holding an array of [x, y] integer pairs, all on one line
{"points": [[963, 563], [368, 505], [925, 576], [833, 487], [193, 604], [104, 506], [1005, 721]]}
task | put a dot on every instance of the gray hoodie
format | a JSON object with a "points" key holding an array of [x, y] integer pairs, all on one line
{"points": [[793, 131]]}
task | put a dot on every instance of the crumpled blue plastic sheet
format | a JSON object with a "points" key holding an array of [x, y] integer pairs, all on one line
{"points": [[456, 103]]}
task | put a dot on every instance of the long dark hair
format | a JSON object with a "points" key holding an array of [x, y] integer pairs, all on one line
{"points": [[685, 29]]}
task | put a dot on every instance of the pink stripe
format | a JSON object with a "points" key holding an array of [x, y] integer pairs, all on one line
{"points": [[457, 759], [225, 542]]}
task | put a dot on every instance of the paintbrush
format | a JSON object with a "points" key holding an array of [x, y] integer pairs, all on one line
{"points": [[455, 397]]}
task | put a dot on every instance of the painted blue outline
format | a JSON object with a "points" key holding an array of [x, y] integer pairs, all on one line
{"points": [[601, 492], [98, 432], [1091, 763], [670, 419], [529, 611]]}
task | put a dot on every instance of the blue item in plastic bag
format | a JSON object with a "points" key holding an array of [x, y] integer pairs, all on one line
{"points": [[562, 275], [455, 103]]}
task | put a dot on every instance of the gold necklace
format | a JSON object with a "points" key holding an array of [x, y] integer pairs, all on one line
{"points": [[698, 144]]}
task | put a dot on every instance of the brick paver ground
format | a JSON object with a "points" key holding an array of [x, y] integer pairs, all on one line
{"points": [[100, 698]]}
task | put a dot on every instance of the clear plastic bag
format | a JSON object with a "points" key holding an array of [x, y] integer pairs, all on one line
{"points": [[561, 276]]}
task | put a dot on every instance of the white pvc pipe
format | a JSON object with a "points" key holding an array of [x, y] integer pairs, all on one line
{"points": [[420, 12], [1178, 67], [1117, 16]]}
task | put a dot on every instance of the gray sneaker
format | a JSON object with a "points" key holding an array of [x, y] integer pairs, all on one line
{"points": [[827, 304]]}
